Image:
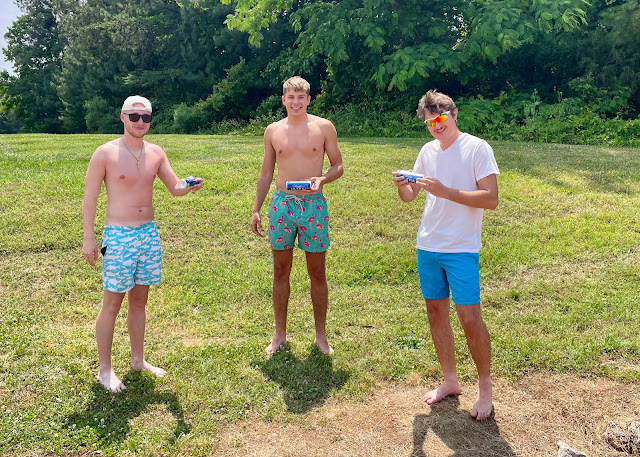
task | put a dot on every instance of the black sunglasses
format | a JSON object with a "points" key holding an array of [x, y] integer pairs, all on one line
{"points": [[133, 117]]}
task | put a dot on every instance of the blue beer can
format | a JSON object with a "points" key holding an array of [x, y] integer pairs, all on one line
{"points": [[298, 185], [410, 175], [187, 182]]}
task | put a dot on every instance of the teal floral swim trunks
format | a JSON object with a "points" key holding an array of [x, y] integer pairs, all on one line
{"points": [[130, 256], [304, 216]]}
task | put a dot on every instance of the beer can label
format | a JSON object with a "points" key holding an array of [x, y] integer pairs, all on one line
{"points": [[187, 182], [409, 175], [298, 185]]}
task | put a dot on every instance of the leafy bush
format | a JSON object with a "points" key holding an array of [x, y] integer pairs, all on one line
{"points": [[102, 117], [591, 116], [605, 102], [373, 121], [9, 124], [510, 116], [270, 105], [187, 119]]}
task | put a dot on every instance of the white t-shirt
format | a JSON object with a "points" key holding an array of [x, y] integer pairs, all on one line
{"points": [[447, 226]]}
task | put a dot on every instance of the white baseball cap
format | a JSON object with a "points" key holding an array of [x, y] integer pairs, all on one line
{"points": [[130, 101]]}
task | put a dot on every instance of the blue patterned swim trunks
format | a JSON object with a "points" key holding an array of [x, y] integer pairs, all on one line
{"points": [[130, 256]]}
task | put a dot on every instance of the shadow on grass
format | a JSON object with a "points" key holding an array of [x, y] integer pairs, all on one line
{"points": [[109, 414], [307, 383], [460, 432]]}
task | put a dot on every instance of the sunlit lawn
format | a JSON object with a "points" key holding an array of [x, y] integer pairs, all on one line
{"points": [[559, 272]]}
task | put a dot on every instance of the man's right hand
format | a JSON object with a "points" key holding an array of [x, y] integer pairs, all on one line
{"points": [[90, 251], [256, 224], [398, 179]]}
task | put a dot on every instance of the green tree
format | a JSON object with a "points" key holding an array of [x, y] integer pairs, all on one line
{"points": [[173, 53], [115, 50], [399, 45], [246, 76], [8, 121], [76, 60], [609, 52], [102, 117], [35, 46]]}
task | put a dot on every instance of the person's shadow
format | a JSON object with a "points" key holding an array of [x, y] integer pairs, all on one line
{"points": [[306, 383], [464, 435], [109, 414]]}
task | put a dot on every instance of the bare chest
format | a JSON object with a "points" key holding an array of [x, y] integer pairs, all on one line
{"points": [[126, 171], [292, 145]]}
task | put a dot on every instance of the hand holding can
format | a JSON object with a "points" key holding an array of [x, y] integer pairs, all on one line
{"points": [[187, 182], [410, 175]]}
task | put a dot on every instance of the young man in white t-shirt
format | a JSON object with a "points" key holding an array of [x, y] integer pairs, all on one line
{"points": [[460, 181]]}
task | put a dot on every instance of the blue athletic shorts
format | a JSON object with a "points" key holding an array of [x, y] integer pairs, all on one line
{"points": [[130, 256], [443, 271]]}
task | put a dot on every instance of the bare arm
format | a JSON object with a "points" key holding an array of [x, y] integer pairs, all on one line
{"points": [[170, 179], [486, 196], [333, 154], [92, 185], [265, 177]]}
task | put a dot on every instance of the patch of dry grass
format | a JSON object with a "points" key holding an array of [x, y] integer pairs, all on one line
{"points": [[531, 415]]}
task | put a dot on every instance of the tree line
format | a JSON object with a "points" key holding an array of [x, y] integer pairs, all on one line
{"points": [[212, 63]]}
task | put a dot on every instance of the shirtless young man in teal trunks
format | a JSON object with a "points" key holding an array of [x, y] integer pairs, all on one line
{"points": [[298, 144], [132, 257]]}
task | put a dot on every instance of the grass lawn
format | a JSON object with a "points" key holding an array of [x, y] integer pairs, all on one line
{"points": [[559, 268]]}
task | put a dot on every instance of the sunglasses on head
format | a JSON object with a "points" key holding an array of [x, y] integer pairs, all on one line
{"points": [[439, 119], [133, 117]]}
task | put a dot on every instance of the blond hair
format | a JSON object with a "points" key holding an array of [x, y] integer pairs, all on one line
{"points": [[434, 102], [296, 84]]}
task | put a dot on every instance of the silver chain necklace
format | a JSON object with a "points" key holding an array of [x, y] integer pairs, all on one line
{"points": [[132, 154]]}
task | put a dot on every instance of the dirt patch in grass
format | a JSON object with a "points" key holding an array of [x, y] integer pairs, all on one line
{"points": [[531, 415], [621, 364]]}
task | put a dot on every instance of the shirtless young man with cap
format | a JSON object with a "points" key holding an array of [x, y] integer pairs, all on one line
{"points": [[298, 144], [132, 256]]}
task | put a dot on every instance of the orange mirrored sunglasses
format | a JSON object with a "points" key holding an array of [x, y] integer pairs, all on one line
{"points": [[439, 119]]}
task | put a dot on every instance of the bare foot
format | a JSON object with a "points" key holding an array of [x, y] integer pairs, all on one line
{"points": [[323, 345], [483, 406], [110, 381], [275, 345], [146, 366], [445, 390]]}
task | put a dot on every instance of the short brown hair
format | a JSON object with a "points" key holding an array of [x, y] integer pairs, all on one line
{"points": [[434, 102], [297, 84]]}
